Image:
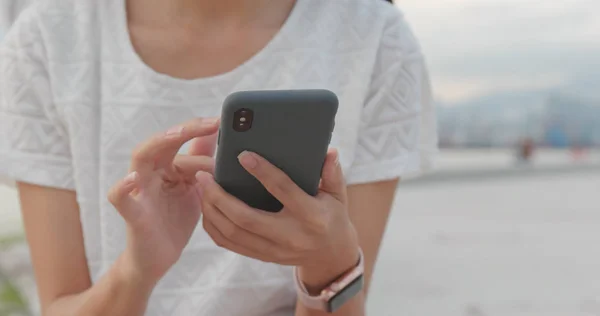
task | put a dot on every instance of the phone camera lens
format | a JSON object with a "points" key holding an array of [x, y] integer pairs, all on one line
{"points": [[242, 120]]}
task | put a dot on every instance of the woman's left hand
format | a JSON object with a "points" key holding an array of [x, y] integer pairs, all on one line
{"points": [[312, 233]]}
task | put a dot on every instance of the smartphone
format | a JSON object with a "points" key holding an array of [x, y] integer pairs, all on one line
{"points": [[290, 128]]}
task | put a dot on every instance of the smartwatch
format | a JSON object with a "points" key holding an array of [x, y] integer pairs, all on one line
{"points": [[336, 294]]}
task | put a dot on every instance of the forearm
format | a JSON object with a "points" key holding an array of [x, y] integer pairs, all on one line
{"points": [[120, 292]]}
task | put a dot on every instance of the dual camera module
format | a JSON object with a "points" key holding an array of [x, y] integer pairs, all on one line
{"points": [[242, 120]]}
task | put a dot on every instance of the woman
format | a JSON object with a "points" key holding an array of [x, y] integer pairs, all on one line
{"points": [[84, 86]]}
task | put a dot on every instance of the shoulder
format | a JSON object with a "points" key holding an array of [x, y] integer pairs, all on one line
{"points": [[382, 10], [367, 25], [55, 12], [359, 11], [64, 8], [372, 16], [50, 24]]}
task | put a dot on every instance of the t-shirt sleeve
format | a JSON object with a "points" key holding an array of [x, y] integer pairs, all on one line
{"points": [[398, 131], [34, 144]]}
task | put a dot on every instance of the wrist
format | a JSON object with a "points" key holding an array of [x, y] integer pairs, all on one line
{"points": [[129, 275], [324, 270]]}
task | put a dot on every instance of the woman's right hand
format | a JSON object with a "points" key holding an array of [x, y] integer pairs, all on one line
{"points": [[159, 199]]}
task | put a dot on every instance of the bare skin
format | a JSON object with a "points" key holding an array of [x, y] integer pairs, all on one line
{"points": [[180, 39], [184, 46]]}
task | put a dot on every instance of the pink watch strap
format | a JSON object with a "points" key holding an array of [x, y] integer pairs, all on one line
{"points": [[320, 302]]}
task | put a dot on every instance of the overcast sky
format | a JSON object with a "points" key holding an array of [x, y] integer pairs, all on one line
{"points": [[477, 47]]}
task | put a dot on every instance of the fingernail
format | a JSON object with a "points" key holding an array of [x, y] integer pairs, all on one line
{"points": [[248, 160], [130, 178], [175, 131], [210, 121]]}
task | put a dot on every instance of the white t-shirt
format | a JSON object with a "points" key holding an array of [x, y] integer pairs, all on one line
{"points": [[9, 10], [75, 99]]}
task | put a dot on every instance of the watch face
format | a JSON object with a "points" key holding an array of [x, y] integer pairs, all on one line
{"points": [[346, 294]]}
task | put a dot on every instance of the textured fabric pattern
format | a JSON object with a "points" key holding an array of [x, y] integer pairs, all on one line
{"points": [[9, 10], [75, 99]]}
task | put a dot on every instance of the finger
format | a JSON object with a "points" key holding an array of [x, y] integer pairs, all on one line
{"points": [[204, 146], [256, 221], [274, 180], [222, 241], [332, 177], [160, 150], [190, 165], [236, 234], [120, 196]]}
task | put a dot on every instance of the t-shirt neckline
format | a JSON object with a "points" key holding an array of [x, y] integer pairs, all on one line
{"points": [[123, 28]]}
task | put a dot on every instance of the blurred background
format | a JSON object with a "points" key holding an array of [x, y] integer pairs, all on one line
{"points": [[509, 223]]}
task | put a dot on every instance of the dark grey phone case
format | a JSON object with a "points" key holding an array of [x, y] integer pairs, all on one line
{"points": [[290, 128]]}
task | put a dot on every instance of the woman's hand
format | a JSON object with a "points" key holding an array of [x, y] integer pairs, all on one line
{"points": [[313, 233], [159, 199]]}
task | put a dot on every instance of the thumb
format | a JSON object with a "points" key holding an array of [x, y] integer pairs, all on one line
{"points": [[332, 178], [120, 196]]}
